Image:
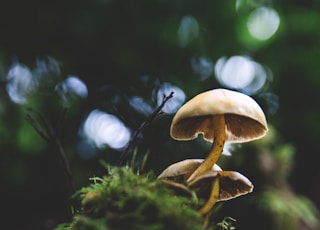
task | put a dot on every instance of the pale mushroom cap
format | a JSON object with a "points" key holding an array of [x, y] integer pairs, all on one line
{"points": [[183, 167], [232, 184], [245, 120]]}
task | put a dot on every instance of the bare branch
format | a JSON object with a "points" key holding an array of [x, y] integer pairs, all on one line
{"points": [[157, 112], [37, 128], [51, 135], [41, 121]]}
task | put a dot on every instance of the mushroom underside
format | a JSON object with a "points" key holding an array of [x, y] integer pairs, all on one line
{"points": [[229, 188], [238, 128]]}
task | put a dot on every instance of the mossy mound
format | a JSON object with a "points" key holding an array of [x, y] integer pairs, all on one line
{"points": [[125, 200]]}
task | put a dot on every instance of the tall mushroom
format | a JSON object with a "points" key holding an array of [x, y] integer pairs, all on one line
{"points": [[220, 115]]}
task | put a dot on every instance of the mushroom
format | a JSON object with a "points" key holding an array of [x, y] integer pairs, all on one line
{"points": [[182, 168], [220, 115], [175, 175], [214, 185], [218, 185]]}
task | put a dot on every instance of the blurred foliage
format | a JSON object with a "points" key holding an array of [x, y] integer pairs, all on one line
{"points": [[125, 49], [268, 163]]}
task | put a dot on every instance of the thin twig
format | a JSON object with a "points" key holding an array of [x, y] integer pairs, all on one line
{"points": [[158, 111], [64, 161], [37, 128], [40, 121], [60, 121], [51, 135]]}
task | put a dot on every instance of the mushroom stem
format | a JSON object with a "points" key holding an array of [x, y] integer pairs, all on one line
{"points": [[216, 149], [214, 195]]}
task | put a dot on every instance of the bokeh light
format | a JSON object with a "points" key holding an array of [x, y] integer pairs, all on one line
{"points": [[240, 73], [203, 67], [228, 148], [47, 74], [20, 83], [263, 23], [105, 130], [70, 89], [140, 105], [188, 30]]}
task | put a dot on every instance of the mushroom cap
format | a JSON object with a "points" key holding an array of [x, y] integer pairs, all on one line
{"points": [[178, 188], [244, 118], [232, 184], [184, 167]]}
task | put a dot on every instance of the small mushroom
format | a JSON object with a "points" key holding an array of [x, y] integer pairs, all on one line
{"points": [[214, 185], [219, 185], [220, 115], [182, 168], [175, 175]]}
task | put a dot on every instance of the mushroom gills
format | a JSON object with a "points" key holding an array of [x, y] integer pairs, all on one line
{"points": [[216, 149], [213, 198]]}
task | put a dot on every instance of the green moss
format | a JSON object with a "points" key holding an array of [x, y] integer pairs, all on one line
{"points": [[125, 200]]}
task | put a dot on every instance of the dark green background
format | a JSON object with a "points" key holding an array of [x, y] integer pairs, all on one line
{"points": [[111, 45]]}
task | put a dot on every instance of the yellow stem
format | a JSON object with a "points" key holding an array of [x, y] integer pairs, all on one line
{"points": [[216, 148], [205, 221], [214, 195]]}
